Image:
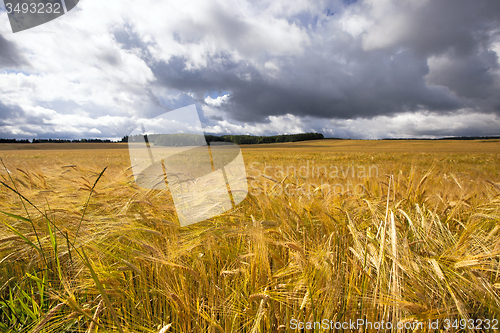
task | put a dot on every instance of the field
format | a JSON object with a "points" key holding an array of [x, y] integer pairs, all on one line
{"points": [[400, 233]]}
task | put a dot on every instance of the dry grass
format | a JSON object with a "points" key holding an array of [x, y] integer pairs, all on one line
{"points": [[418, 240]]}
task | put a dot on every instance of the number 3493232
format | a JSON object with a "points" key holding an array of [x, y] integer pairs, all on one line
{"points": [[34, 8]]}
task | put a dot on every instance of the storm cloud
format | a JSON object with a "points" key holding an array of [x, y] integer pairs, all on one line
{"points": [[383, 70], [10, 55], [356, 69]]}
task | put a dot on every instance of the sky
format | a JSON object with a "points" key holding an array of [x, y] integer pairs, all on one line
{"points": [[364, 69]]}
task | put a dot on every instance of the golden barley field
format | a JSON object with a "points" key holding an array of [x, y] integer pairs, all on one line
{"points": [[404, 234]]}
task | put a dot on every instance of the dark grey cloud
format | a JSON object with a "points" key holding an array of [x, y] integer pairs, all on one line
{"points": [[459, 25], [9, 115], [128, 38], [10, 55], [468, 75], [370, 84], [8, 112]]}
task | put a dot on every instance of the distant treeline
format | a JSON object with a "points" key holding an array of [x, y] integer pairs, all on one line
{"points": [[171, 140], [250, 139], [194, 139], [197, 140], [13, 141], [52, 141], [70, 141]]}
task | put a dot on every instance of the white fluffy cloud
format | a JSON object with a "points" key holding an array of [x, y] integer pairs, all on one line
{"points": [[416, 125]]}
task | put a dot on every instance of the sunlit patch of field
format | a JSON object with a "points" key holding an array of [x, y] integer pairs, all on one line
{"points": [[400, 231]]}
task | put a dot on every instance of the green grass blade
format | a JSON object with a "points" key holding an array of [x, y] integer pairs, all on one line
{"points": [[20, 234], [102, 291]]}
